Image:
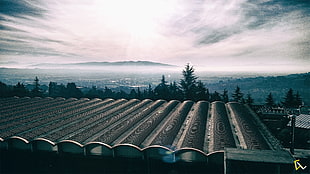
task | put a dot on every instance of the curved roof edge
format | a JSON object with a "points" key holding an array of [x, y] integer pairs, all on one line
{"points": [[99, 99], [218, 102], [127, 145], [44, 139], [43, 145], [19, 138], [97, 143], [70, 141], [157, 146], [18, 143], [181, 150]]}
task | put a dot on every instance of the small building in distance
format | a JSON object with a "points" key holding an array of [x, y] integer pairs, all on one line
{"points": [[302, 131]]}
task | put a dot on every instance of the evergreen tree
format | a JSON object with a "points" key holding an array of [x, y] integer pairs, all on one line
{"points": [[161, 91], [150, 93], [108, 93], [52, 88], [133, 94], [121, 94], [4, 90], [73, 91], [145, 94], [208, 94], [20, 90], [174, 92], [215, 97], [188, 83], [36, 91], [94, 93], [297, 100], [225, 97], [238, 95], [289, 100], [249, 100], [62, 90], [139, 94], [269, 101], [201, 92], [55, 90]]}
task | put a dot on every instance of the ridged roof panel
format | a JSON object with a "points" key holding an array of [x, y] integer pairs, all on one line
{"points": [[99, 125]]}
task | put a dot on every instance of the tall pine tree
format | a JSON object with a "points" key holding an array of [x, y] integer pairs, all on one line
{"points": [[20, 90], [297, 100], [161, 91], [215, 97], [289, 99], [269, 102], [174, 92], [249, 100], [225, 97], [238, 95], [188, 83], [201, 92], [36, 91]]}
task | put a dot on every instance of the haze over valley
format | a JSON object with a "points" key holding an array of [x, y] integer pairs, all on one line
{"points": [[132, 75]]}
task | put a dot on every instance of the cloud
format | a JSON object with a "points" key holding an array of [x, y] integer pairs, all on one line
{"points": [[204, 32], [19, 8], [261, 31]]}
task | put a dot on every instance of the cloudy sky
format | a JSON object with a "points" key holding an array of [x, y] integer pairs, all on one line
{"points": [[255, 35]]}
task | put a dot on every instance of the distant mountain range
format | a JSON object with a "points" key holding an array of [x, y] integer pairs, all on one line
{"points": [[100, 64]]}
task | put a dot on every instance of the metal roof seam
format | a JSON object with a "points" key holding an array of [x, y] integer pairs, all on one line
{"points": [[143, 130], [169, 124], [98, 117], [197, 127], [82, 111], [112, 120], [84, 116], [147, 112], [273, 143], [181, 135], [206, 140], [149, 139], [237, 131]]}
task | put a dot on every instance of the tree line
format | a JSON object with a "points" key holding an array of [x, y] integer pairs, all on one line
{"points": [[189, 88]]}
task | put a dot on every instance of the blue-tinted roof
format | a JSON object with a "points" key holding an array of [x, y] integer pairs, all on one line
{"points": [[189, 130], [302, 121]]}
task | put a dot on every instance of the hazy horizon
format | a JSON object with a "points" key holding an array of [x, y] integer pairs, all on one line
{"points": [[229, 71], [242, 35]]}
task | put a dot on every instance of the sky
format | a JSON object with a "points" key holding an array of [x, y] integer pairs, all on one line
{"points": [[221, 35]]}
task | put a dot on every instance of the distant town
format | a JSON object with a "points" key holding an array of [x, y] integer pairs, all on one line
{"points": [[96, 83]]}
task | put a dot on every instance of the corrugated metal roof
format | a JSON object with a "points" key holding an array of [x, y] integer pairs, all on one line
{"points": [[302, 121], [130, 127]]}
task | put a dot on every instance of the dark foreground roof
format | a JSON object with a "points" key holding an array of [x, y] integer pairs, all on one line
{"points": [[171, 132], [141, 125]]}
